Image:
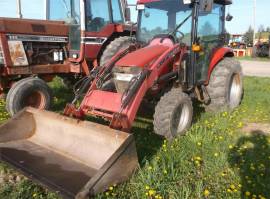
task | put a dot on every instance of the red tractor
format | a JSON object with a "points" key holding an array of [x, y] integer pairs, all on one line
{"points": [[33, 52], [179, 53]]}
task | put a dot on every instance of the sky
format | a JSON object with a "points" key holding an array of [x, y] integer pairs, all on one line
{"points": [[242, 10]]}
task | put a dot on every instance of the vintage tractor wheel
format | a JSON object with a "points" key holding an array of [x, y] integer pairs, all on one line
{"points": [[173, 114], [14, 85], [32, 92], [225, 86], [114, 47]]}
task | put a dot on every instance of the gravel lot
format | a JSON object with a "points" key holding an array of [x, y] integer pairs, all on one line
{"points": [[256, 68]]}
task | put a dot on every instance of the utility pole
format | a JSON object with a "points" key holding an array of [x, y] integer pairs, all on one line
{"points": [[19, 9], [254, 21]]}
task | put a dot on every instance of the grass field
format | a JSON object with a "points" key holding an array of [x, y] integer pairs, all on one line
{"points": [[216, 159]]}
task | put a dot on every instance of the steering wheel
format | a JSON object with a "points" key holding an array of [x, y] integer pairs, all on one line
{"points": [[181, 37], [96, 23]]}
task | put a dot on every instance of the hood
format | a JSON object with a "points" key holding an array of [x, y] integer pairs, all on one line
{"points": [[33, 27], [143, 56]]}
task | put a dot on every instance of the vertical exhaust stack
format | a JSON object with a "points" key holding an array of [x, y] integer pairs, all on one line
{"points": [[72, 157]]}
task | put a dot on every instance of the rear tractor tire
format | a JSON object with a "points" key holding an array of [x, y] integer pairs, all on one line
{"points": [[173, 114], [225, 86], [115, 46], [32, 92]]}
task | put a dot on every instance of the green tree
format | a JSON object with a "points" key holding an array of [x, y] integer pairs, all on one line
{"points": [[261, 29], [248, 36]]}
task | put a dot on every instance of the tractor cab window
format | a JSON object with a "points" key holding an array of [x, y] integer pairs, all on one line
{"points": [[68, 11], [97, 15], [162, 17], [117, 12], [64, 10], [210, 27]]}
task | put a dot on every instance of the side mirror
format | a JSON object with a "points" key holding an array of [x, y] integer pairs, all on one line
{"points": [[206, 6], [229, 17], [127, 14]]}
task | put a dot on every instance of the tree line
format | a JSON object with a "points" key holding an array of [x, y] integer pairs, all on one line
{"points": [[262, 32]]}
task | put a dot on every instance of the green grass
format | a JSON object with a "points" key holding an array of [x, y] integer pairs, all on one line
{"points": [[214, 160], [248, 58]]}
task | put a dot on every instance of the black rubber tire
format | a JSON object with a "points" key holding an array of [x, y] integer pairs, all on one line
{"points": [[116, 45], [220, 85], [16, 99], [11, 90], [167, 115]]}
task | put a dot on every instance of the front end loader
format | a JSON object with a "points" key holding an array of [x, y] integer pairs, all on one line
{"points": [[177, 59]]}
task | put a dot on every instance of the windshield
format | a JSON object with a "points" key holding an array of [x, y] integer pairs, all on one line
{"points": [[65, 10], [99, 13], [161, 18]]}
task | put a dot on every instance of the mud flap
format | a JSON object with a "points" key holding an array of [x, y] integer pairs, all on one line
{"points": [[75, 158]]}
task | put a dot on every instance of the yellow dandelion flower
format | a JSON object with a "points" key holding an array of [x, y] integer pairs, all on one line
{"points": [[152, 192], [206, 193], [198, 158], [247, 193], [199, 144], [147, 187], [216, 154], [111, 188]]}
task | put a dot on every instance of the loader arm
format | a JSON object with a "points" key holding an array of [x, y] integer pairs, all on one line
{"points": [[121, 109]]}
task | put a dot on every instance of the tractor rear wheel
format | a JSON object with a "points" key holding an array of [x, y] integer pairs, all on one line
{"points": [[173, 114], [225, 86], [116, 45], [32, 92]]}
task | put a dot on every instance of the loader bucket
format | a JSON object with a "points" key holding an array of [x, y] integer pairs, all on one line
{"points": [[75, 158]]}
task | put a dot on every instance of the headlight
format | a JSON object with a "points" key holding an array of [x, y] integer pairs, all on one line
{"points": [[123, 75]]}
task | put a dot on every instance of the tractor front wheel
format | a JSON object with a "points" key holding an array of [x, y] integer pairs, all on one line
{"points": [[32, 92], [173, 114], [225, 86]]}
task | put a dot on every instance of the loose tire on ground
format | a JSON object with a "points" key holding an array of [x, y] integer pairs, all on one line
{"points": [[29, 92], [173, 114], [225, 86], [116, 45]]}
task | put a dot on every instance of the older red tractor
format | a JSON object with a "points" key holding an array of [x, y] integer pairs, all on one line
{"points": [[33, 52], [179, 53]]}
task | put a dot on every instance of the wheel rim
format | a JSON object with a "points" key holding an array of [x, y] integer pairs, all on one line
{"points": [[181, 118], [36, 99], [235, 90]]}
